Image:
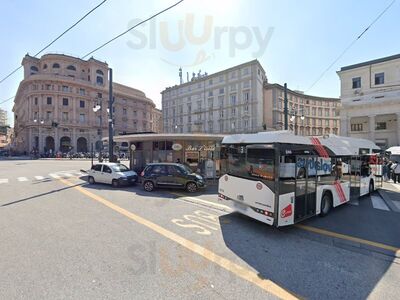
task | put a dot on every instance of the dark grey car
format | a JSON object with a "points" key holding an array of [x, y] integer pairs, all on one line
{"points": [[171, 175]]}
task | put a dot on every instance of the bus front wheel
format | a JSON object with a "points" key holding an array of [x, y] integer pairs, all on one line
{"points": [[326, 204]]}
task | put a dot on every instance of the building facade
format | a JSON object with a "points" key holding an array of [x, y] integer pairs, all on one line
{"points": [[5, 137], [3, 117], [370, 95], [228, 101], [157, 121], [307, 115], [62, 102]]}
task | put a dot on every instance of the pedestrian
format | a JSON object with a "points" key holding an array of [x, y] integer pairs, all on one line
{"points": [[339, 169], [396, 173], [178, 160], [385, 170], [391, 167]]}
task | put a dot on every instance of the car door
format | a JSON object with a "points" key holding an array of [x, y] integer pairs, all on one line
{"points": [[161, 175], [96, 172], [176, 176], [107, 174]]}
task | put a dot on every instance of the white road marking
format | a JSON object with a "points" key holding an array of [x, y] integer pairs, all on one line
{"points": [[55, 176], [198, 200], [378, 203], [39, 177], [354, 202], [3, 180], [22, 179], [397, 203], [66, 174]]}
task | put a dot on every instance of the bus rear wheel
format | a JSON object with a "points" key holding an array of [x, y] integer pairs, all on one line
{"points": [[326, 204]]}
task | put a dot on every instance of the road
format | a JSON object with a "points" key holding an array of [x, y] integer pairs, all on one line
{"points": [[63, 238]]}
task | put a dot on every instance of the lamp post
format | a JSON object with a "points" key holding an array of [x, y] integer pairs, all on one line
{"points": [[97, 108], [41, 122], [294, 114]]}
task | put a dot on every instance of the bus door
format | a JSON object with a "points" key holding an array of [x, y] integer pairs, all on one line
{"points": [[355, 177], [305, 187]]}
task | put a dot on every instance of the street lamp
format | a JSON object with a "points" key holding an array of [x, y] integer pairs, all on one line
{"points": [[41, 122], [294, 114]]}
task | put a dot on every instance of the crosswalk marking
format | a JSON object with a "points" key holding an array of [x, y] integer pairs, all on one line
{"points": [[66, 174], [22, 179], [39, 177], [54, 175], [378, 203], [3, 180], [354, 202], [397, 203]]}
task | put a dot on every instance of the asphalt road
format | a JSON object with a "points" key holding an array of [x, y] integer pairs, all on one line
{"points": [[63, 238]]}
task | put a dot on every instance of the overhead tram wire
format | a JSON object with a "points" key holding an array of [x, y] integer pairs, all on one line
{"points": [[133, 27], [350, 45], [58, 37], [4, 101]]}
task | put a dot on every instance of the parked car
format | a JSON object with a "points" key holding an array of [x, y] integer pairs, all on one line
{"points": [[171, 175], [112, 173]]}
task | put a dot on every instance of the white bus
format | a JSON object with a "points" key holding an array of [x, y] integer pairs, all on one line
{"points": [[279, 178]]}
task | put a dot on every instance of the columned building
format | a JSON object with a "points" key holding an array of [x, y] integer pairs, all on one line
{"points": [[370, 94], [229, 101], [307, 115], [62, 102]]}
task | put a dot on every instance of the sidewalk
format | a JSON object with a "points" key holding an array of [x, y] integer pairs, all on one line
{"points": [[390, 192]]}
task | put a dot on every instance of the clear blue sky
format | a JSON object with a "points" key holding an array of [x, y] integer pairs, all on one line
{"points": [[305, 37]]}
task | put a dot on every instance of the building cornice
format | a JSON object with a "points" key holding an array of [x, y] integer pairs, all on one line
{"points": [[204, 78], [269, 86]]}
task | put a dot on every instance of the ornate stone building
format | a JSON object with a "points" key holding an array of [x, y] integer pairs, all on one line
{"points": [[62, 102], [307, 115], [229, 101]]}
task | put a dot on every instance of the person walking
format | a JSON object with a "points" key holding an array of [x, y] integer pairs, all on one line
{"points": [[396, 173], [385, 170]]}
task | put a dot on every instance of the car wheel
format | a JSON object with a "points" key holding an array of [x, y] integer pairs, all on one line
{"points": [[115, 183], [148, 186], [326, 204], [371, 187], [191, 187], [91, 180]]}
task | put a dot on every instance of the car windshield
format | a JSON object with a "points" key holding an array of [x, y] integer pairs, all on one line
{"points": [[187, 169], [120, 168]]}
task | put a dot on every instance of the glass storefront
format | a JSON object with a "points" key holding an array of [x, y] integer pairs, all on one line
{"points": [[200, 155]]}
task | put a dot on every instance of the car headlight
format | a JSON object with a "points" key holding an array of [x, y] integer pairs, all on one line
{"points": [[199, 178]]}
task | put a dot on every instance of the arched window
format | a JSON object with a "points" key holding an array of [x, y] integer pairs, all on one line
{"points": [[100, 72], [71, 67], [56, 66], [99, 80], [45, 66], [34, 70]]}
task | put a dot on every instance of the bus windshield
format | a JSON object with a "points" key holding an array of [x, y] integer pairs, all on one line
{"points": [[251, 161]]}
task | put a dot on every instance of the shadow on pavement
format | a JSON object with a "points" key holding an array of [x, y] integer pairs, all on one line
{"points": [[307, 268], [361, 222], [39, 195]]}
